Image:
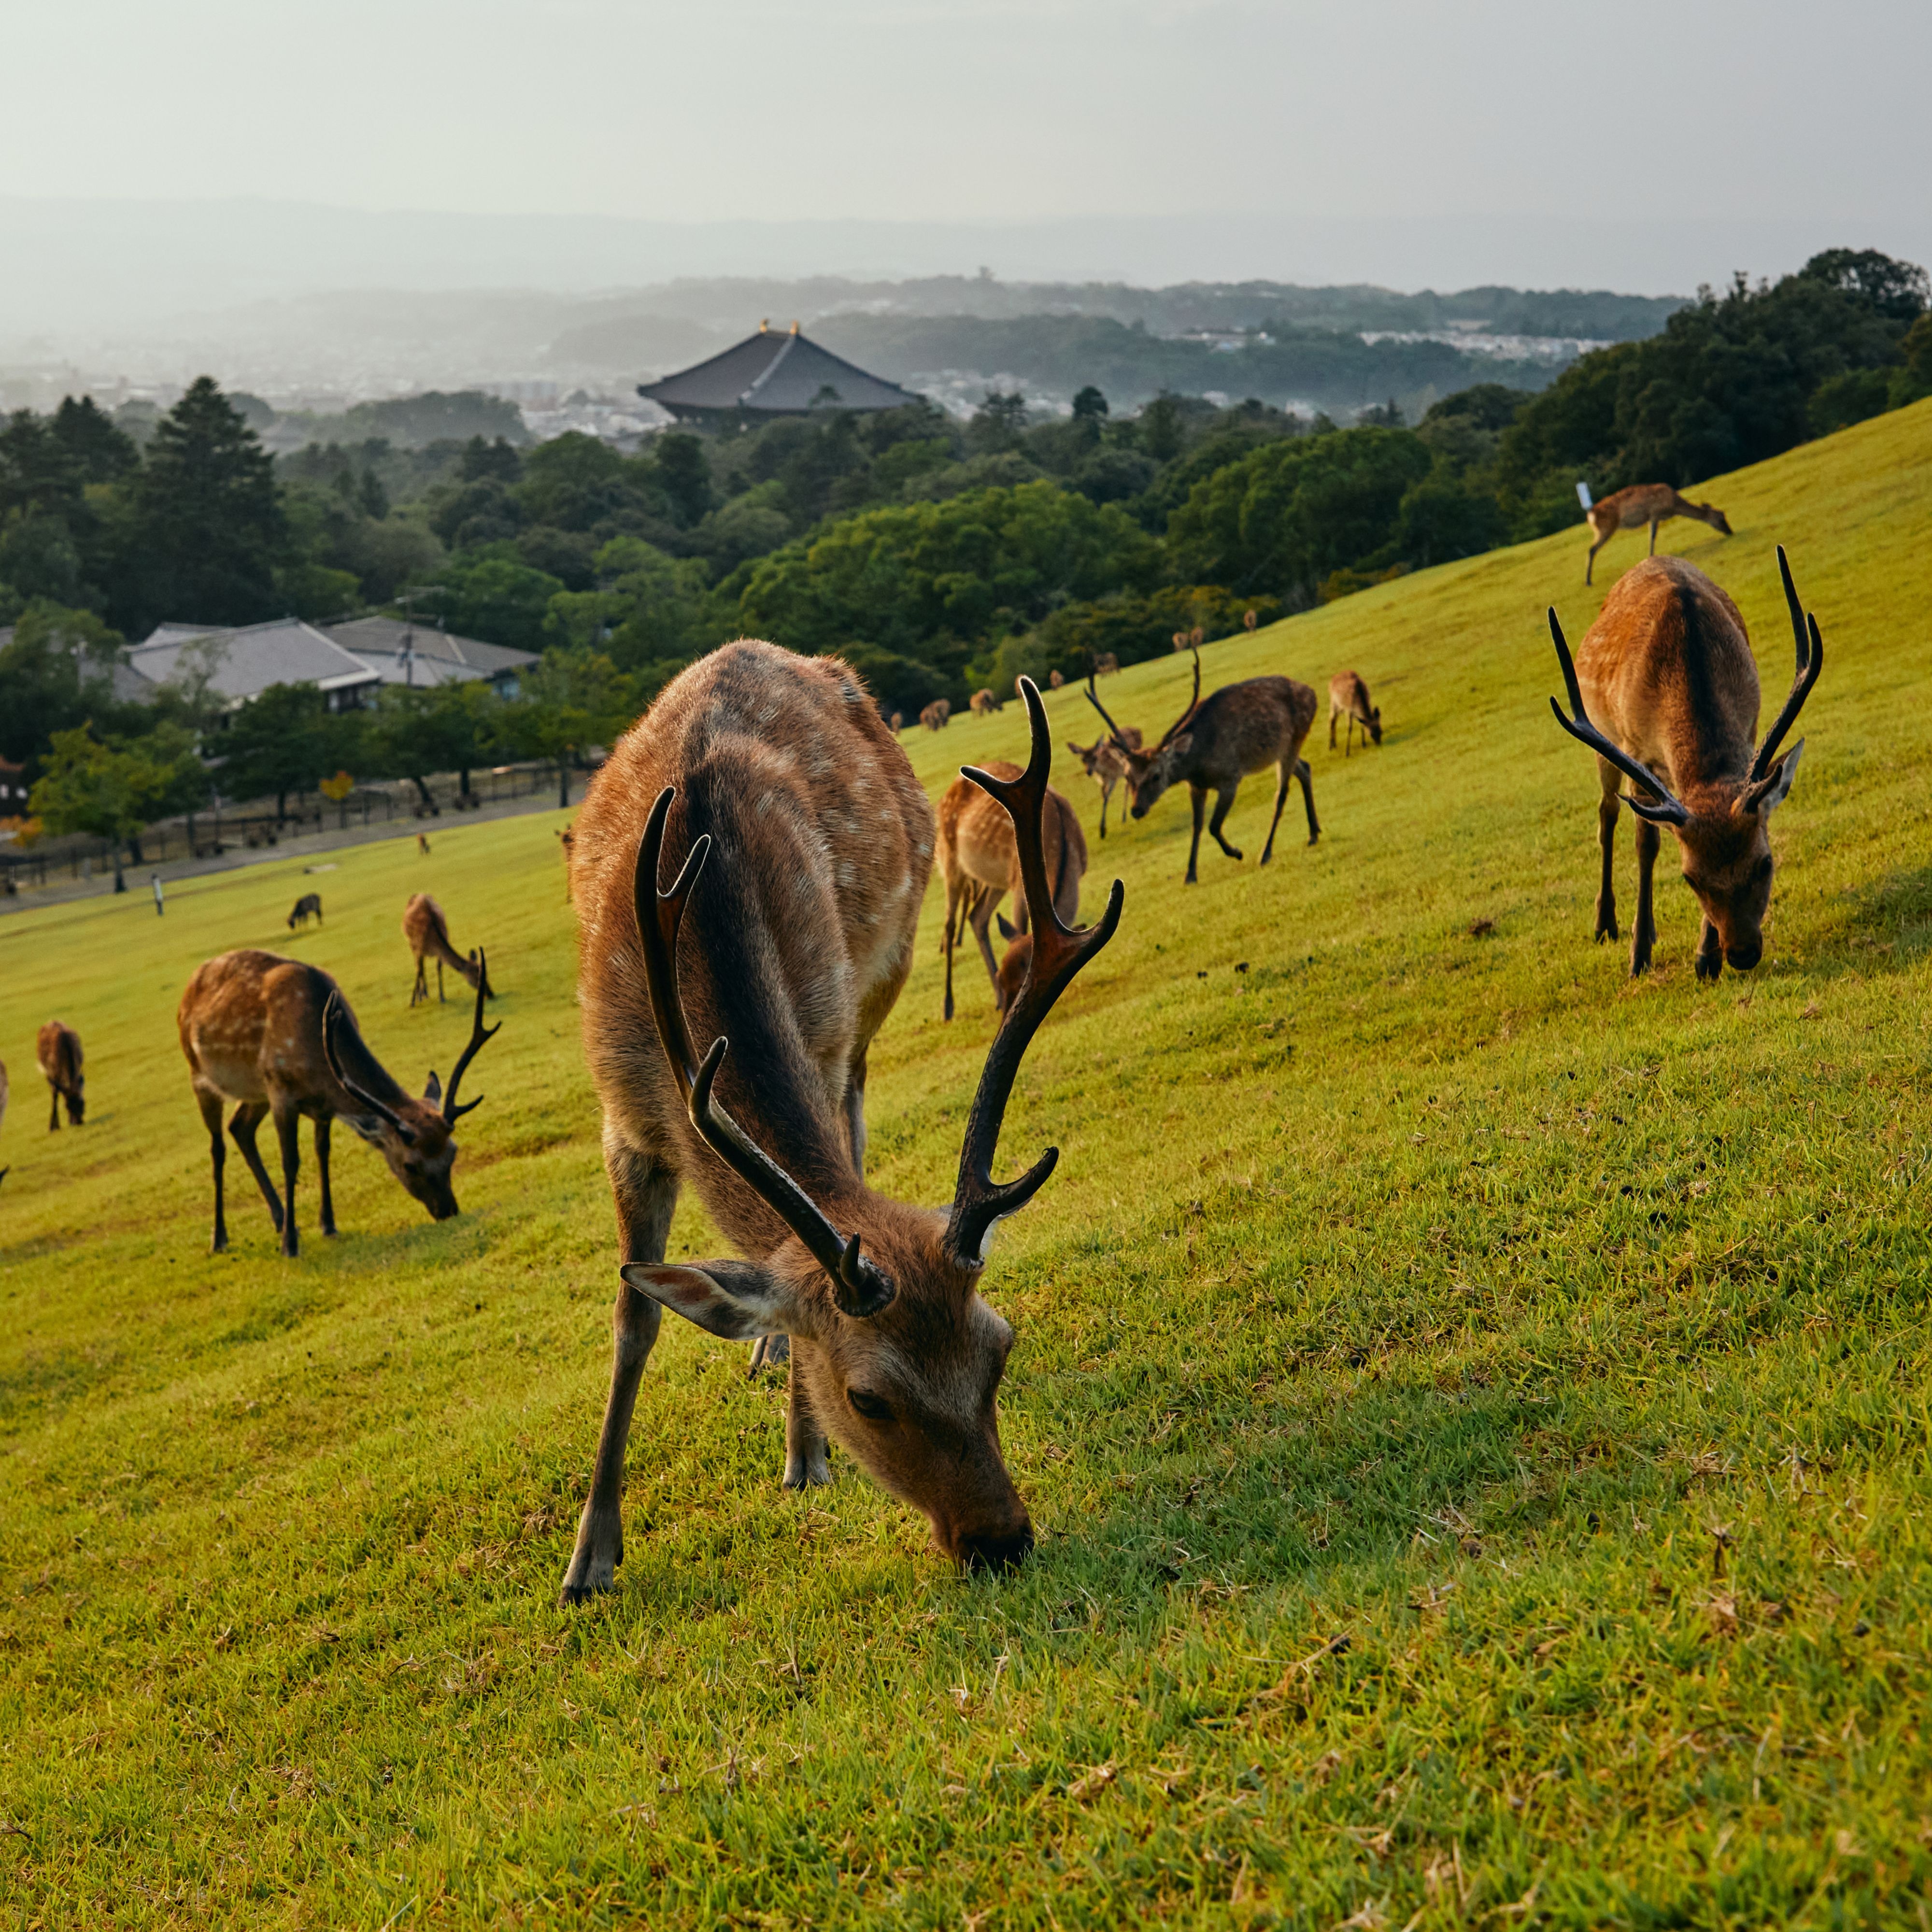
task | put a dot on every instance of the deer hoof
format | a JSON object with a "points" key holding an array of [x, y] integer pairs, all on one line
{"points": [[573, 1594]]}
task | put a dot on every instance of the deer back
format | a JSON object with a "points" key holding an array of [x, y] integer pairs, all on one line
{"points": [[1241, 728], [799, 934], [58, 1049]]}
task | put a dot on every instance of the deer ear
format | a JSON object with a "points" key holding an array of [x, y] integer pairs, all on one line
{"points": [[728, 1298], [1771, 791], [433, 1092], [1183, 745], [1007, 932]]}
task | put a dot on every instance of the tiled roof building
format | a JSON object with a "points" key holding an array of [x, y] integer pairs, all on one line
{"points": [[772, 375]]}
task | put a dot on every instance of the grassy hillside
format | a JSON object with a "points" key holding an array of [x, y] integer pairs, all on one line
{"points": [[1474, 1405]]}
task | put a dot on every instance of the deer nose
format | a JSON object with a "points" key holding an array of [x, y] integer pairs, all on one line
{"points": [[998, 1550], [1743, 956]]}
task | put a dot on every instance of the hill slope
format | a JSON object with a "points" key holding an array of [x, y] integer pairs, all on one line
{"points": [[1557, 1341]]}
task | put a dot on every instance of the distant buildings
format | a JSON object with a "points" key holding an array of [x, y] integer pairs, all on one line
{"points": [[768, 375], [349, 662]]}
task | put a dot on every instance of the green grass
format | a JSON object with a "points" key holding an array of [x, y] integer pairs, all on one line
{"points": [[1558, 1341]]}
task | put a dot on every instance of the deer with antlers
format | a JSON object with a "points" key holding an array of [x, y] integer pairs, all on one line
{"points": [[57, 1047], [1214, 744], [275, 1037], [801, 843], [1651, 503], [427, 931], [1105, 763], [1667, 668], [979, 860]]}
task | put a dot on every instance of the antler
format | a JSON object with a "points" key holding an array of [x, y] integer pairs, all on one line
{"points": [[860, 1288], [1193, 704], [1669, 812], [1058, 954], [1809, 663], [1094, 699], [334, 1018], [479, 1036]]}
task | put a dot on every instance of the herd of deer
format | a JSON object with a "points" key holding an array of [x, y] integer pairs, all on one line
{"points": [[749, 867]]}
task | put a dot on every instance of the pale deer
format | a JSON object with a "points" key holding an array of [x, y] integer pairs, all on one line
{"points": [[787, 949], [1106, 764], [1348, 697], [1667, 669], [983, 704], [1214, 744], [58, 1049], [979, 860], [1651, 503], [936, 715], [275, 1037], [308, 907], [427, 932]]}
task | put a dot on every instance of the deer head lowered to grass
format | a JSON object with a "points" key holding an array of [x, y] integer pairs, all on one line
{"points": [[801, 842], [1667, 668], [274, 1036], [427, 929], [57, 1047], [1105, 763], [1214, 743]]}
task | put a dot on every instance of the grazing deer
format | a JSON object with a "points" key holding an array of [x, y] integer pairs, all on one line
{"points": [[1667, 668], [422, 844], [1214, 744], [1106, 665], [898, 723], [1054, 680], [308, 907], [1348, 697], [801, 844], [983, 704], [936, 715], [1651, 503], [979, 860], [427, 931], [275, 1036], [1105, 764], [58, 1049]]}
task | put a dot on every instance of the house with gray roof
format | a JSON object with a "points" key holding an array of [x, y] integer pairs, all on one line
{"points": [[772, 375], [242, 662], [417, 654]]}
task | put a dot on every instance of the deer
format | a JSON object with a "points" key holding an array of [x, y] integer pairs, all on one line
{"points": [[1651, 503], [801, 843], [1105, 764], [1667, 667], [1055, 680], [275, 1037], [57, 1047], [1107, 665], [4, 1171], [897, 723], [308, 907], [979, 859], [1214, 744], [983, 704], [422, 844], [1348, 697], [427, 931], [937, 715]]}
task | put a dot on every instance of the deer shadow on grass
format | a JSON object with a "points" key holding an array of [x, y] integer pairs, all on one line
{"points": [[1881, 927]]}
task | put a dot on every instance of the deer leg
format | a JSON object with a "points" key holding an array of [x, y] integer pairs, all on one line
{"points": [[288, 1129], [1198, 794], [1331, 728], [247, 1118], [805, 1466], [1106, 793], [1643, 927], [1284, 772], [646, 1195], [1591, 563], [981, 923], [327, 1222], [1608, 777], [1305, 773], [53, 1110], [420, 991], [952, 928], [1710, 952], [210, 1105], [1224, 803], [1653, 535], [439, 999]]}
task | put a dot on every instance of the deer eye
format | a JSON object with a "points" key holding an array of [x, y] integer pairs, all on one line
{"points": [[1763, 869], [873, 1408]]}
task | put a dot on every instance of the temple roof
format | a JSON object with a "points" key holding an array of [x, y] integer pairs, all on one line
{"points": [[771, 373]]}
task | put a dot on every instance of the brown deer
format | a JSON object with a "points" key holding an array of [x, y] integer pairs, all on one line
{"points": [[427, 931], [979, 860], [57, 1047], [1651, 503], [801, 842], [936, 715], [422, 844], [983, 704], [1106, 764], [1348, 697], [308, 907], [1107, 665], [1667, 668], [274, 1036], [1214, 744], [898, 723], [1054, 680]]}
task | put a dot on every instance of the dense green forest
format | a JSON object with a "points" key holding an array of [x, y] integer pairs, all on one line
{"points": [[937, 555]]}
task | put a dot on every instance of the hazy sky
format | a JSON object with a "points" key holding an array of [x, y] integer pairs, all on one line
{"points": [[975, 110]]}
